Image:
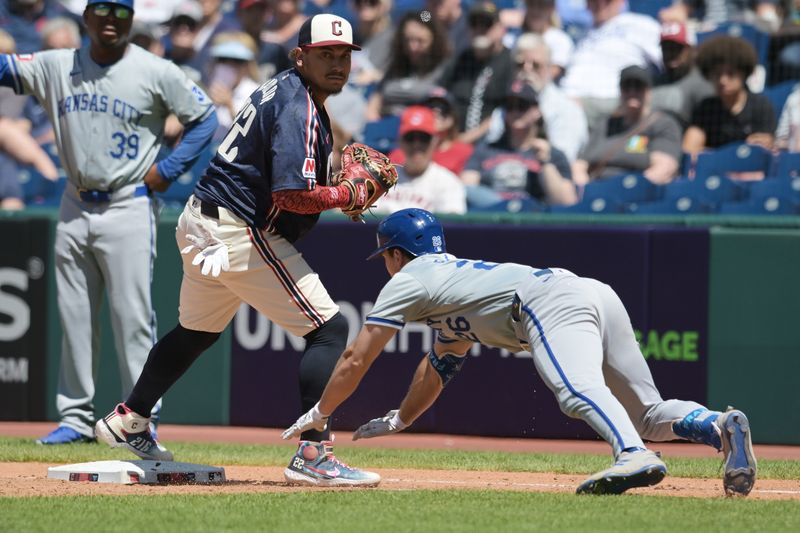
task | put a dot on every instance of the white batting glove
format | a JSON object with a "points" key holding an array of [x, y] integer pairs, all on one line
{"points": [[313, 419], [378, 427], [211, 252]]}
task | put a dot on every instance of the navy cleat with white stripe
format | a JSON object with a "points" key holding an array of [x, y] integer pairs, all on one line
{"points": [[123, 428]]}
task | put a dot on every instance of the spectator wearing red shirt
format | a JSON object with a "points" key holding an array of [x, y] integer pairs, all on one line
{"points": [[450, 152]]}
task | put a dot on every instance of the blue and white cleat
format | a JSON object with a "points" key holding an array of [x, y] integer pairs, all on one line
{"points": [[737, 446], [64, 435], [637, 468], [122, 428], [314, 464]]}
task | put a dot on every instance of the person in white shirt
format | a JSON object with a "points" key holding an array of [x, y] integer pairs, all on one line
{"points": [[421, 182], [617, 40]]}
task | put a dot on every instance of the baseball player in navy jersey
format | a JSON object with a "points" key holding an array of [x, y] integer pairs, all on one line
{"points": [[108, 102], [577, 329], [263, 190]]}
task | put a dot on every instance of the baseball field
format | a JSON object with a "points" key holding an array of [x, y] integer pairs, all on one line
{"points": [[430, 483]]}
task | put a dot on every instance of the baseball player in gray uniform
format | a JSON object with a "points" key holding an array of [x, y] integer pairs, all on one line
{"points": [[108, 102], [577, 329]]}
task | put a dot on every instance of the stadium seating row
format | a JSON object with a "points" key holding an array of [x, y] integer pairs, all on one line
{"points": [[706, 186]]}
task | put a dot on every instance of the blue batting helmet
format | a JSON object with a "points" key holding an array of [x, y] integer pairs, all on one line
{"points": [[414, 230], [124, 3]]}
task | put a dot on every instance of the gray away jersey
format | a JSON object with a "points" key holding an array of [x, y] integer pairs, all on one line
{"points": [[108, 121], [462, 299]]}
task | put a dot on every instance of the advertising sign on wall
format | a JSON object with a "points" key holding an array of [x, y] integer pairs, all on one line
{"points": [[660, 275], [23, 285]]}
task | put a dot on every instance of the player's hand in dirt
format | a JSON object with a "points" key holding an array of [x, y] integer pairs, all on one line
{"points": [[313, 419]]}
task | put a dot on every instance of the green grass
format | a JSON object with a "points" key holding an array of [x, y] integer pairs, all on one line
{"points": [[388, 511], [385, 511], [24, 450]]}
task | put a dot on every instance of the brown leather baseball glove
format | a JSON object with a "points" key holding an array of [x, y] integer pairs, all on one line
{"points": [[368, 174]]}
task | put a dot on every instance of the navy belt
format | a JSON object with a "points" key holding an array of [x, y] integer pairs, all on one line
{"points": [[209, 210], [516, 307], [93, 196], [542, 272]]}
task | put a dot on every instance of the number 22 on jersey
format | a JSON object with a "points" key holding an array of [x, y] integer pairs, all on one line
{"points": [[228, 152], [244, 120]]}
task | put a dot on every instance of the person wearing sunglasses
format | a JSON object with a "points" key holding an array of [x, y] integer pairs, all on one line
{"points": [[564, 118], [109, 101], [522, 163], [422, 183], [479, 76]]}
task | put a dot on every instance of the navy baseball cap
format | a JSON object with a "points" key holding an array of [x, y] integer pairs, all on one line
{"points": [[124, 3], [326, 30]]}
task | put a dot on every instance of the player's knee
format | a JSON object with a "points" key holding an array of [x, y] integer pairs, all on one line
{"points": [[196, 341], [331, 333]]}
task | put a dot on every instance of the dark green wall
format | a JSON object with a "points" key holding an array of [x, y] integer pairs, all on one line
{"points": [[754, 329]]}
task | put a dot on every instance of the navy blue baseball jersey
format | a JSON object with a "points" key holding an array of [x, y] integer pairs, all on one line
{"points": [[279, 141]]}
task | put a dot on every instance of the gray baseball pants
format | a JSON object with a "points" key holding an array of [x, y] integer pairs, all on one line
{"points": [[585, 350]]}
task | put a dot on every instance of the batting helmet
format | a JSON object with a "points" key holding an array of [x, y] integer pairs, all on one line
{"points": [[414, 230]]}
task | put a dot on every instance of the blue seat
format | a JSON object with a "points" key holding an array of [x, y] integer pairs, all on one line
{"points": [[382, 134], [709, 191], [768, 205], [625, 189], [778, 95], [748, 32], [594, 206], [648, 7], [786, 188], [734, 157], [787, 165], [514, 205], [679, 205], [38, 190]]}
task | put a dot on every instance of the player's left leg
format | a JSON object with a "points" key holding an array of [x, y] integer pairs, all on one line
{"points": [[560, 317], [308, 312], [126, 253], [630, 379]]}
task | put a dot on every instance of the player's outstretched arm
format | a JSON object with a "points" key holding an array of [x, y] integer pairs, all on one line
{"points": [[426, 385], [433, 373], [350, 369]]}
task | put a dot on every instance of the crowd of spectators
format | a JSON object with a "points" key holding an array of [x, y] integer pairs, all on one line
{"points": [[491, 101]]}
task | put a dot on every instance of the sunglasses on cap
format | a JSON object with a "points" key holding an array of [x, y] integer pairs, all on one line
{"points": [[104, 10]]}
